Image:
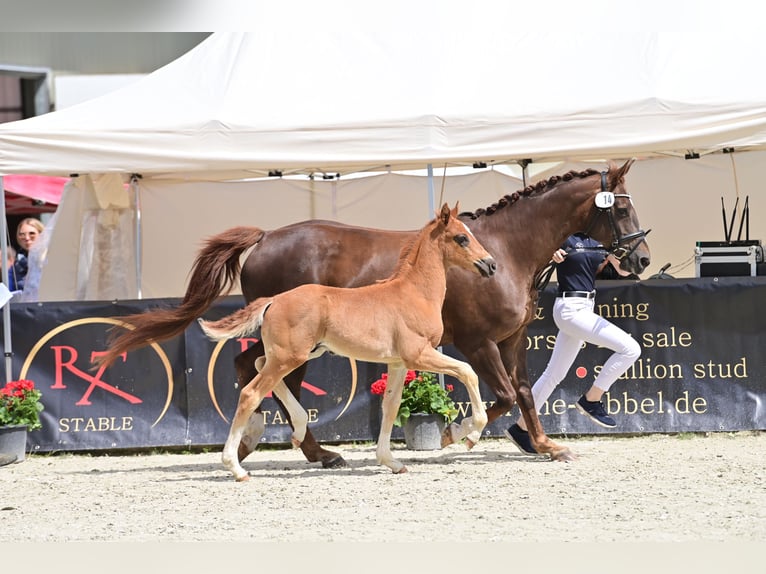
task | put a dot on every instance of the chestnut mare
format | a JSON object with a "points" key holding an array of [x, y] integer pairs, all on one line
{"points": [[486, 321], [397, 321]]}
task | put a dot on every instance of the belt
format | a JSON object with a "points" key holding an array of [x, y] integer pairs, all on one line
{"points": [[582, 294]]}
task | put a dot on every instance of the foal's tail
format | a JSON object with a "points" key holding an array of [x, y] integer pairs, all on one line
{"points": [[242, 322], [215, 269]]}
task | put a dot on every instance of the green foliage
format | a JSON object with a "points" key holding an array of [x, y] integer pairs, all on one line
{"points": [[422, 393]]}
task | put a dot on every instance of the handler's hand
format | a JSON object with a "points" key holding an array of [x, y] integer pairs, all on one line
{"points": [[559, 255]]}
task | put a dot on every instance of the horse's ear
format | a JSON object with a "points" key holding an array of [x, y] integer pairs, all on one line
{"points": [[445, 214], [617, 174]]}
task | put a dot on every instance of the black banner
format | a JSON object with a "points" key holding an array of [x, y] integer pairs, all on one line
{"points": [[701, 369]]}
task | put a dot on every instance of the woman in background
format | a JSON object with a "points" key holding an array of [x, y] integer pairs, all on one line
{"points": [[27, 233]]}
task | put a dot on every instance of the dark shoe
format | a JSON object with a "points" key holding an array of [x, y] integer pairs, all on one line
{"points": [[596, 411], [520, 438]]}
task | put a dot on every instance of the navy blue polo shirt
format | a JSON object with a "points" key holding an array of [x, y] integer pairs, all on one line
{"points": [[578, 270]]}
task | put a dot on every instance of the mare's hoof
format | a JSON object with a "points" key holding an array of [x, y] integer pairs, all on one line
{"points": [[447, 437], [244, 478], [243, 451], [402, 470], [563, 455], [336, 461]]}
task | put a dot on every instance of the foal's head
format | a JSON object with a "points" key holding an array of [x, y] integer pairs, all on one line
{"points": [[460, 247]]}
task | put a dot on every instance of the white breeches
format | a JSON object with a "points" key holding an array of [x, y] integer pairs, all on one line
{"points": [[578, 323]]}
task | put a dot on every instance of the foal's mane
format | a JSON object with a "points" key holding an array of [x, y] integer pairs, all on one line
{"points": [[540, 187], [408, 254]]}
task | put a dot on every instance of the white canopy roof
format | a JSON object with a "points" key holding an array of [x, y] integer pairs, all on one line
{"points": [[341, 87]]}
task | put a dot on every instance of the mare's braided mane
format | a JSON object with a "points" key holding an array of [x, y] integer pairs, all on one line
{"points": [[540, 187]]}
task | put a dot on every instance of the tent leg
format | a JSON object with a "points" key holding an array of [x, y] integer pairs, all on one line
{"points": [[431, 199], [137, 200], [7, 346]]}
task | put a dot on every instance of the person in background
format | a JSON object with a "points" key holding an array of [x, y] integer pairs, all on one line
{"points": [[10, 265], [27, 233], [579, 261]]}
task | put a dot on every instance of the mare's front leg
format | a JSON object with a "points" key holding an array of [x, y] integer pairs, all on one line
{"points": [[514, 353], [392, 398]]}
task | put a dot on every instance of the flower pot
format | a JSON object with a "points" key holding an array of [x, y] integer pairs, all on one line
{"points": [[13, 442], [423, 431]]}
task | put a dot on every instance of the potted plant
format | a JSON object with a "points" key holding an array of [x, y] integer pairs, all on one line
{"points": [[20, 408], [425, 411]]}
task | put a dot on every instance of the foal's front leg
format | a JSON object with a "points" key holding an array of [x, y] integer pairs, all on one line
{"points": [[391, 401], [470, 427]]}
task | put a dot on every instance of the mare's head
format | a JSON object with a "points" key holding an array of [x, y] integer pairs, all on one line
{"points": [[459, 245], [614, 220]]}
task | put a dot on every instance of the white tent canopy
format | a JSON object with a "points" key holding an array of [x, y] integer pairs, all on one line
{"points": [[340, 87]]}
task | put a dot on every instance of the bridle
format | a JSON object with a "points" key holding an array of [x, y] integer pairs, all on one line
{"points": [[604, 205]]}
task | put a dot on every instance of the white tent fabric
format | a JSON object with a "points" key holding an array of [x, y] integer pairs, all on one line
{"points": [[90, 257], [336, 87], [339, 87]]}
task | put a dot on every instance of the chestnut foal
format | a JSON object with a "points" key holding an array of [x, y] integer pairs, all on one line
{"points": [[396, 321]]}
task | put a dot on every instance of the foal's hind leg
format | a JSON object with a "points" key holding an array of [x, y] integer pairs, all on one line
{"points": [[299, 418], [250, 397], [245, 367], [310, 447]]}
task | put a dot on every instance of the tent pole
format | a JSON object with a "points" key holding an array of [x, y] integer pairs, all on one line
{"points": [[431, 214], [7, 346], [137, 201], [431, 199]]}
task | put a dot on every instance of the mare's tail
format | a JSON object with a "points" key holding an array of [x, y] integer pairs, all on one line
{"points": [[215, 269], [242, 322]]}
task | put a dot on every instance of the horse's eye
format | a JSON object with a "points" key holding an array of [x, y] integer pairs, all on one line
{"points": [[462, 240], [622, 212]]}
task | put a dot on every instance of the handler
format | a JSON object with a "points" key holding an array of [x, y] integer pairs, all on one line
{"points": [[578, 261]]}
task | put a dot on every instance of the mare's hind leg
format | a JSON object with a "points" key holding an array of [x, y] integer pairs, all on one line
{"points": [[470, 427], [310, 447], [246, 371]]}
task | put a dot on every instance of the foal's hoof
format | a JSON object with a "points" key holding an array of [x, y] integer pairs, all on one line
{"points": [[244, 478], [402, 470], [469, 444], [336, 461]]}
